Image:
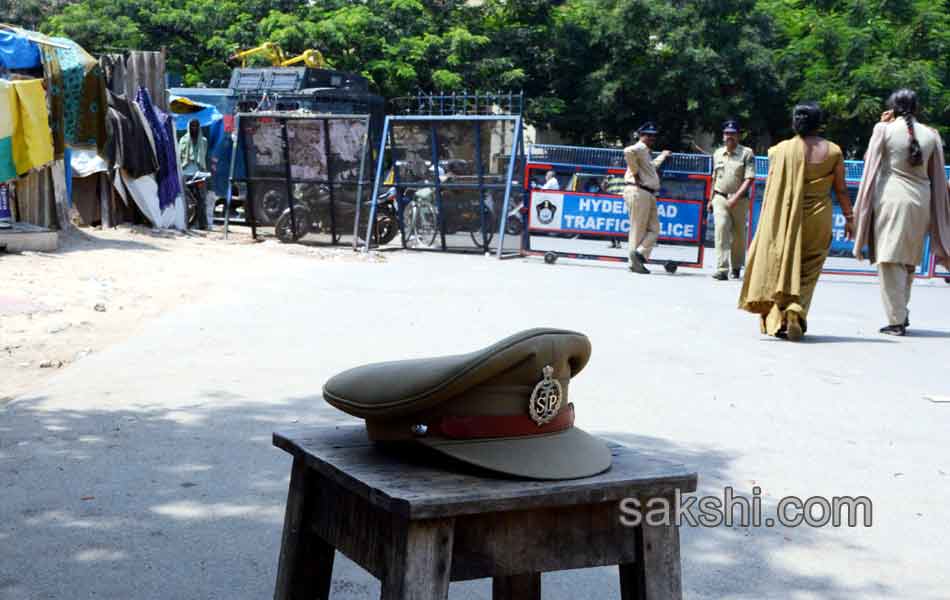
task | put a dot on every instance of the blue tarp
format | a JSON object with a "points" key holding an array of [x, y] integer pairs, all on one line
{"points": [[210, 119], [221, 157], [18, 52]]}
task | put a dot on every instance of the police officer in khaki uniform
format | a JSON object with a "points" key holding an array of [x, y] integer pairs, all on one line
{"points": [[733, 174], [642, 183]]}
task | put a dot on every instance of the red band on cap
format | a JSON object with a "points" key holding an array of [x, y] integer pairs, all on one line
{"points": [[484, 426]]}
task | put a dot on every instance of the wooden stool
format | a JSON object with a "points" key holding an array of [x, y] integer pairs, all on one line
{"points": [[416, 525]]}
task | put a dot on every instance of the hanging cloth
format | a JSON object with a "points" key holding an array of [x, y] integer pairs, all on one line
{"points": [[131, 145], [160, 123], [7, 106], [77, 95], [55, 86], [32, 139]]}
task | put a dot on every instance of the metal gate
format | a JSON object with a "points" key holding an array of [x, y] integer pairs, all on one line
{"points": [[305, 175]]}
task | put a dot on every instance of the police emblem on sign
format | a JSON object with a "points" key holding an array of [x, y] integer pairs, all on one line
{"points": [[546, 211], [546, 398]]}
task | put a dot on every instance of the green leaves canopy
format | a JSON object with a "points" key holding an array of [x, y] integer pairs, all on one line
{"points": [[591, 69]]}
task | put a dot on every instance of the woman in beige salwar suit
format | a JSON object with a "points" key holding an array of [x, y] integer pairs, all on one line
{"points": [[794, 232], [903, 196]]}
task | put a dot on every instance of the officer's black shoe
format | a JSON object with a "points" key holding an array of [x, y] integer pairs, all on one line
{"points": [[735, 274], [907, 320], [894, 330], [636, 264], [720, 276]]}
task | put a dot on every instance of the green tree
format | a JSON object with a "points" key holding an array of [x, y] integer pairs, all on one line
{"points": [[29, 14], [850, 55], [592, 69], [685, 66]]}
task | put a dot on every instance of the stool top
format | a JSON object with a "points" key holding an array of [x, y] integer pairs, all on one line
{"points": [[430, 486]]}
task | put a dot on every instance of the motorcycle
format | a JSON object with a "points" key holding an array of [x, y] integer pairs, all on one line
{"points": [[312, 215]]}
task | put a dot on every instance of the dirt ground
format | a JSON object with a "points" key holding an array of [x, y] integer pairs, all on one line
{"points": [[102, 285]]}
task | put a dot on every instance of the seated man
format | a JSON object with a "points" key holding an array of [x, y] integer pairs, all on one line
{"points": [[592, 187], [193, 150], [193, 158]]}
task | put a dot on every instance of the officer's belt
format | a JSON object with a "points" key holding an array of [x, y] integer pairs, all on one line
{"points": [[643, 187], [723, 194]]}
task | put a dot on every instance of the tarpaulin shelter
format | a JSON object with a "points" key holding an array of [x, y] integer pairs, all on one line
{"points": [[131, 124], [73, 81], [65, 110]]}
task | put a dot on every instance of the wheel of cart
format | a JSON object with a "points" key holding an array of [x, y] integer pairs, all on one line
{"points": [[550, 258], [670, 266], [946, 279]]}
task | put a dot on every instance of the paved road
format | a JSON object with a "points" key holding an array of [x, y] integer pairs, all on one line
{"points": [[146, 471]]}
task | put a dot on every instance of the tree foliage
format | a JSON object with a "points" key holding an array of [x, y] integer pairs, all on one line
{"points": [[592, 69], [850, 55]]}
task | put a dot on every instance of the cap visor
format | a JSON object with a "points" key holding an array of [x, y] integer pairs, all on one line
{"points": [[568, 454]]}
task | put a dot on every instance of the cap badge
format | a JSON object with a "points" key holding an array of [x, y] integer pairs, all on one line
{"points": [[546, 398]]}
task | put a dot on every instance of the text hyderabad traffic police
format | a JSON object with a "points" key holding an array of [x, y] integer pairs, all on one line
{"points": [[609, 215]]}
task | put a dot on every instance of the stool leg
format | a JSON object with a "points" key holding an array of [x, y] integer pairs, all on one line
{"points": [[305, 566], [656, 575], [517, 587], [420, 560]]}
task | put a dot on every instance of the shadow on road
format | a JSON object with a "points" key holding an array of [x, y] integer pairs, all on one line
{"points": [[843, 339], [927, 333], [188, 502], [742, 561]]}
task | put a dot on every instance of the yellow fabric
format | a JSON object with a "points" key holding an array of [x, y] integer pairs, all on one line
{"points": [[32, 137], [182, 105], [7, 104], [792, 238], [8, 117]]}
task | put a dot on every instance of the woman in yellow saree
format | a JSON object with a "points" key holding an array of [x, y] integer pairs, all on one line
{"points": [[794, 232]]}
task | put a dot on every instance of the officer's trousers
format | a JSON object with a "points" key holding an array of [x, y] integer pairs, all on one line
{"points": [[644, 221], [730, 232]]}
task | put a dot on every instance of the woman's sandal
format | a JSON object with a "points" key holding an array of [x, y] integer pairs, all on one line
{"points": [[794, 327]]}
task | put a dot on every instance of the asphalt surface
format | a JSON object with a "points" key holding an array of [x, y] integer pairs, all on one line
{"points": [[147, 471]]}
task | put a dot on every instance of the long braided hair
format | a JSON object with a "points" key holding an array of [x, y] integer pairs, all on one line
{"points": [[904, 104]]}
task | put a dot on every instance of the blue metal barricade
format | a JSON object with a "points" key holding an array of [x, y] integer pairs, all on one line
{"points": [[579, 156], [583, 219], [575, 163]]}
